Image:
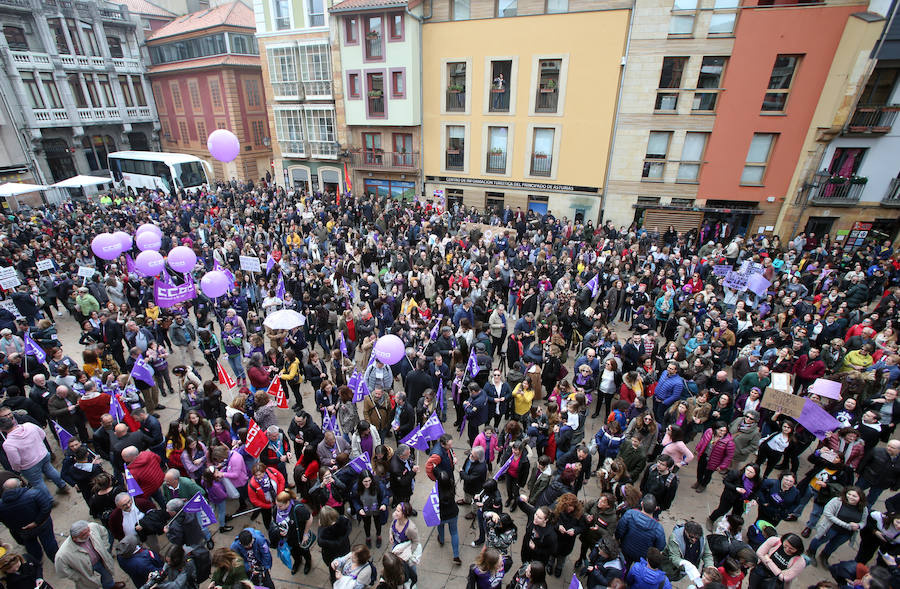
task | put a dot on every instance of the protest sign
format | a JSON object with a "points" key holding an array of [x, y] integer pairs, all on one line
{"points": [[250, 264], [826, 388], [44, 265], [86, 271], [758, 285], [815, 419], [7, 272], [10, 283], [11, 307], [783, 402], [722, 270], [735, 281], [166, 294], [781, 381]]}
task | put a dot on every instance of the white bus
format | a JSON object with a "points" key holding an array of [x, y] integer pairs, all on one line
{"points": [[158, 170]]}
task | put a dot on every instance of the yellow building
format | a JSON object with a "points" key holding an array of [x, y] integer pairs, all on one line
{"points": [[519, 102]]}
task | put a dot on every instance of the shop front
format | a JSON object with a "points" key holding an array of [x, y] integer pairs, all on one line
{"points": [[401, 190], [313, 177]]}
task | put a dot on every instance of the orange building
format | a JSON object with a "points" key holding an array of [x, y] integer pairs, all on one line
{"points": [[206, 75]]}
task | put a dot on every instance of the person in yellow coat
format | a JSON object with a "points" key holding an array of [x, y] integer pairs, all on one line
{"points": [[291, 375], [523, 395]]}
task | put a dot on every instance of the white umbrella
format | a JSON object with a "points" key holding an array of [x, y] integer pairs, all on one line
{"points": [[284, 319], [81, 181], [17, 188]]}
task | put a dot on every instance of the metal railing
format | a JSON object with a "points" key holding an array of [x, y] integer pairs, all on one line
{"points": [[384, 160], [541, 165], [456, 101], [546, 101], [327, 149], [455, 159], [374, 48], [286, 90], [317, 88], [376, 105], [833, 192], [871, 118], [496, 163], [892, 196]]}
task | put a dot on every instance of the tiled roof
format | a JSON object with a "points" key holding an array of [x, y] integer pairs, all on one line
{"points": [[146, 8], [235, 14], [204, 62], [349, 5]]}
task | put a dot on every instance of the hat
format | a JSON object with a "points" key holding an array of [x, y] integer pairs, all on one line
{"points": [[82, 289], [6, 331]]}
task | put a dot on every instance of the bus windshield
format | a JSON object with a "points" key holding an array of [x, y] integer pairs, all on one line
{"points": [[190, 174]]}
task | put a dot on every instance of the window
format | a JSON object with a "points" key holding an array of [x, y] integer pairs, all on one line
{"points": [[316, 10], [557, 6], [215, 93], [353, 85], [289, 130], [375, 94], [683, 15], [77, 90], [500, 84], [176, 95], [167, 132], [542, 152], [372, 151], [494, 202], [456, 147], [51, 91], [93, 95], [460, 9], [506, 7], [183, 131], [115, 47], [282, 12], [692, 157], [190, 49], [351, 30], [139, 91], [221, 125], [320, 130], [34, 93], [456, 86], [59, 37], [880, 86], [374, 39], [283, 71], [655, 158], [537, 203], [315, 69], [91, 39], [126, 92], [201, 131], [497, 146], [195, 95], [15, 38], [106, 90], [73, 35], [403, 150], [722, 20], [251, 89], [758, 158], [258, 129], [548, 86], [670, 77], [780, 83], [398, 84], [243, 44], [711, 71], [396, 24]]}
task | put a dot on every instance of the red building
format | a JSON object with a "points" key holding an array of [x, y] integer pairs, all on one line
{"points": [[206, 75]]}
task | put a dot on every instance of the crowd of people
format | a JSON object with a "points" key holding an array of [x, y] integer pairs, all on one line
{"points": [[578, 373]]}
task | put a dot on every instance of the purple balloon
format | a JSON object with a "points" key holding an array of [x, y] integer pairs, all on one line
{"points": [[149, 263], [106, 246], [389, 349], [223, 145], [124, 240], [148, 227], [148, 241], [182, 259], [214, 284]]}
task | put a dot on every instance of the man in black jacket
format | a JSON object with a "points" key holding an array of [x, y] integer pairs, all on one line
{"points": [[473, 474], [405, 417], [417, 381], [184, 528], [577, 455], [880, 470], [403, 472], [26, 512], [661, 482]]}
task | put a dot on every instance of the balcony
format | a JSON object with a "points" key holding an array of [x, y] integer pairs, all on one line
{"points": [[870, 118], [374, 47], [496, 163], [139, 112], [317, 89], [50, 117], [455, 159], [323, 149], [82, 61], [26, 4], [892, 196], [286, 90], [541, 164], [30, 59], [838, 191], [382, 160], [546, 100], [127, 65], [376, 103], [456, 100]]}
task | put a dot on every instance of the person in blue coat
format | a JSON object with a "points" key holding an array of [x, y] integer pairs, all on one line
{"points": [[476, 409], [646, 573], [637, 531], [137, 562], [26, 512], [668, 390], [251, 544]]}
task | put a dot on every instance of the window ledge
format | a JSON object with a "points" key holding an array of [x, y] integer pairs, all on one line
{"points": [[681, 35], [704, 112], [665, 112], [652, 180], [751, 185], [694, 182], [769, 113]]}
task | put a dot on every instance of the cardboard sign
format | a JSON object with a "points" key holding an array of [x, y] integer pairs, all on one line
{"points": [[44, 265], [826, 388], [86, 271], [781, 381], [721, 270], [10, 283], [250, 264], [736, 281], [7, 272], [783, 402], [11, 307]]}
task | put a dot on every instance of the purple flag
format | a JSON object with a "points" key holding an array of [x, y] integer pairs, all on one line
{"points": [[817, 420], [33, 349], [432, 428], [472, 366], [279, 289], [361, 391], [434, 330], [416, 440], [166, 294], [440, 394], [361, 463], [115, 409], [62, 434], [575, 584], [594, 285], [270, 263], [329, 423], [347, 288], [129, 264], [503, 468], [343, 344], [134, 489], [142, 371], [431, 511], [197, 504], [462, 425], [353, 381]]}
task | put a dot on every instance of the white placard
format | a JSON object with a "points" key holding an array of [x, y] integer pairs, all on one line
{"points": [[44, 265], [11, 307], [86, 271], [7, 272], [10, 283], [250, 264]]}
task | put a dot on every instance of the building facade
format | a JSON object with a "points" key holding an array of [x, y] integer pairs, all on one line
{"points": [[74, 85], [206, 75], [381, 64], [735, 90], [299, 61], [519, 102]]}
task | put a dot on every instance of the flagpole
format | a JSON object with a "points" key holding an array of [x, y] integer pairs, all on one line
{"points": [[182, 508]]}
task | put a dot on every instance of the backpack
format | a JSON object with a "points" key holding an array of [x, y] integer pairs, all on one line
{"points": [[202, 561]]}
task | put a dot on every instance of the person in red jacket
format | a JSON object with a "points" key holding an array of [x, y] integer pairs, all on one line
{"points": [[807, 369], [264, 485], [147, 472], [93, 404]]}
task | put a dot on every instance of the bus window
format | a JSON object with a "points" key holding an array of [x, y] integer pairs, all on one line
{"points": [[190, 174], [115, 168]]}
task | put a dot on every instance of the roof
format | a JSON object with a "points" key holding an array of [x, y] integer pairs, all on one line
{"points": [[233, 14], [204, 62], [352, 5], [145, 8]]}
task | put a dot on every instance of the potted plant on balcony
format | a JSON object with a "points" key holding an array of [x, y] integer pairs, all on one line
{"points": [[540, 155], [456, 88], [549, 86], [452, 151], [854, 179], [375, 93], [496, 151], [372, 35]]}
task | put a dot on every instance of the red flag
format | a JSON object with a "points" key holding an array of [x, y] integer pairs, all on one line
{"points": [[256, 440], [224, 377], [276, 391], [130, 421], [347, 182]]}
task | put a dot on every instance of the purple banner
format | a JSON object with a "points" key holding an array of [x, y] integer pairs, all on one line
{"points": [[134, 489], [63, 435], [431, 511], [817, 420], [197, 504], [166, 295], [415, 439]]}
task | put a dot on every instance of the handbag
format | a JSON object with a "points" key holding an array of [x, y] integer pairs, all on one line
{"points": [[284, 553], [230, 489]]}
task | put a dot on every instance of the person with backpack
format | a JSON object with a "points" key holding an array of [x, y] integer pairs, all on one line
{"points": [[661, 481], [647, 573], [354, 570], [251, 544], [686, 543]]}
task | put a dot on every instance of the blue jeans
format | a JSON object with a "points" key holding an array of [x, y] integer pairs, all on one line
{"points": [[873, 492], [237, 366], [45, 539], [454, 534], [35, 474], [106, 578], [221, 512], [834, 537]]}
